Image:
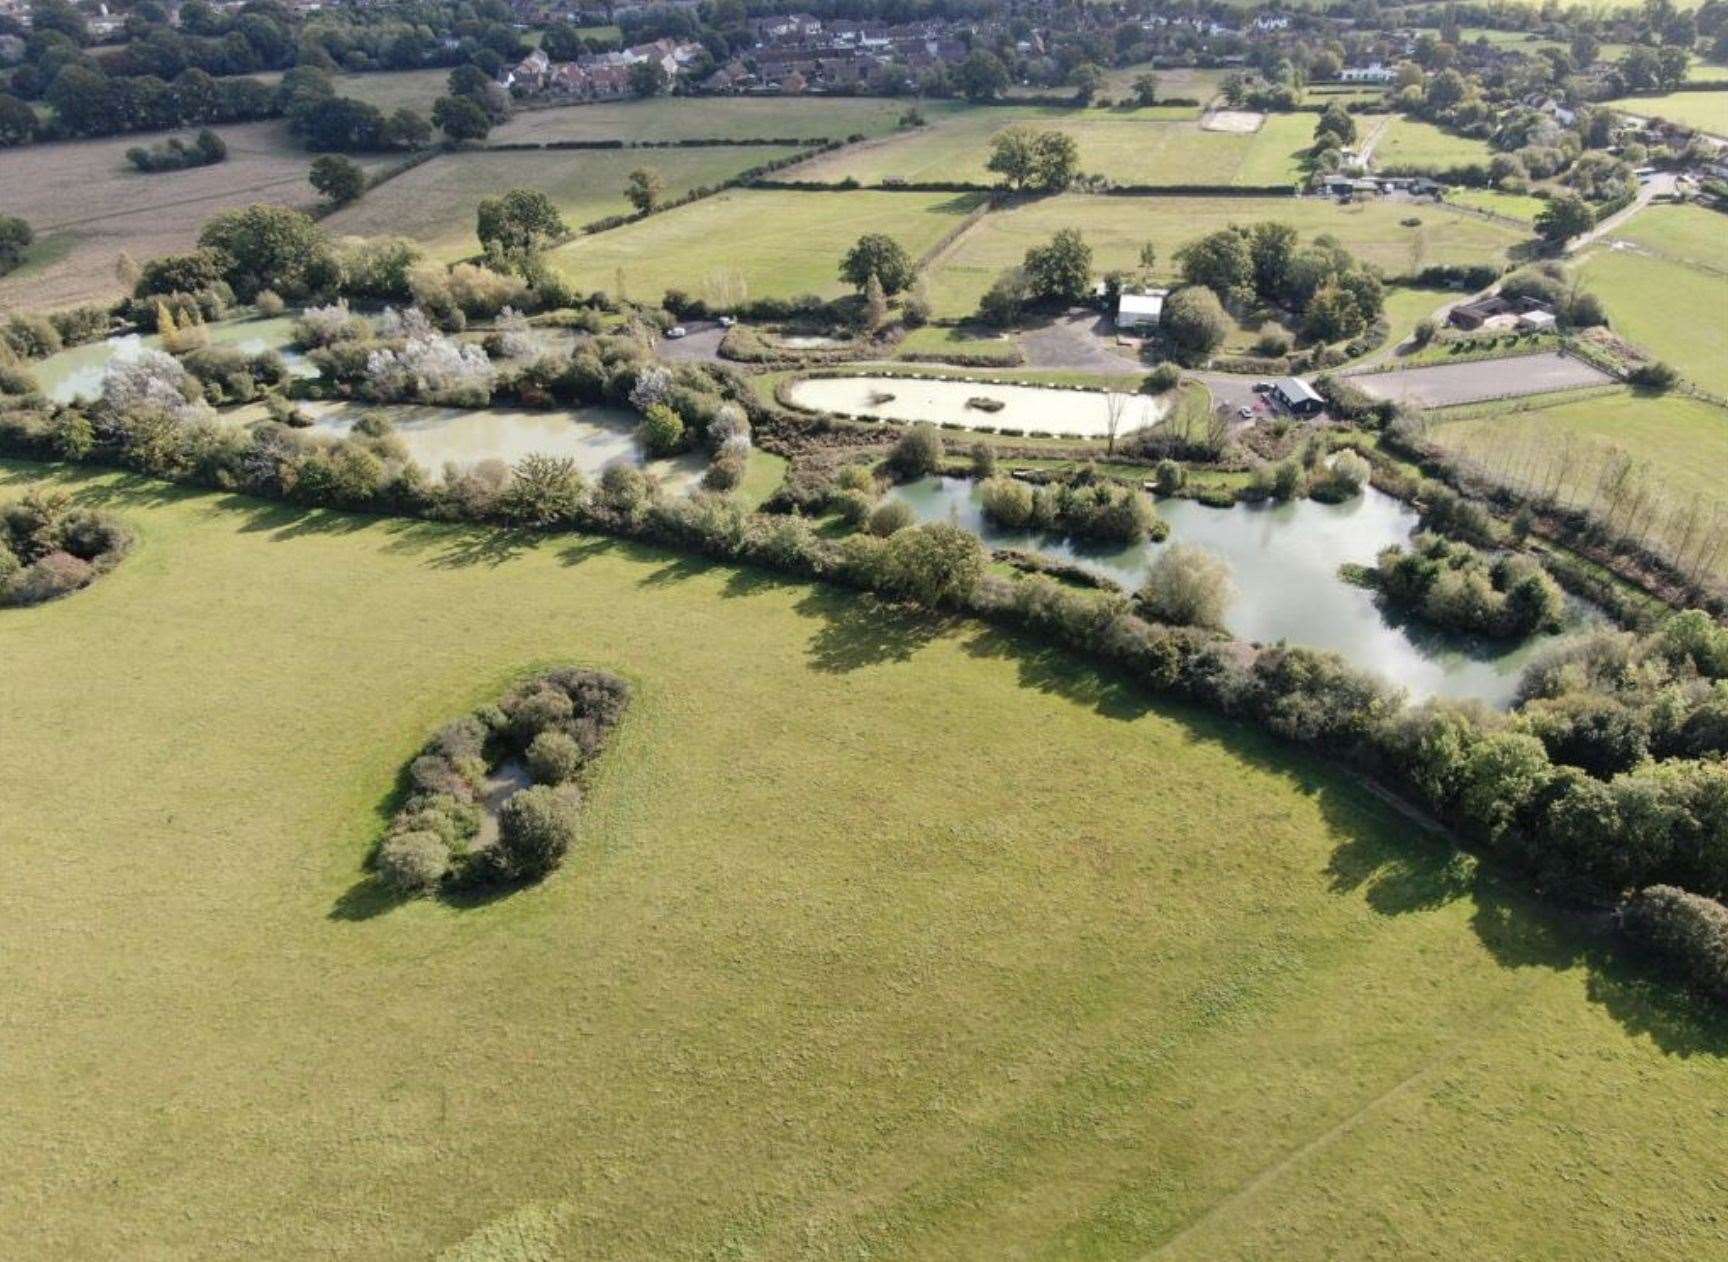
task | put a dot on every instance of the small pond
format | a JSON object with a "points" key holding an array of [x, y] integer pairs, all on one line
{"points": [[434, 436], [1044, 409], [1284, 559], [79, 371]]}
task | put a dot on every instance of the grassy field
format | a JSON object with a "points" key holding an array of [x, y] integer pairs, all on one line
{"points": [[1121, 145], [1407, 142], [435, 203], [88, 204], [1685, 234], [767, 118], [1685, 440], [832, 974], [1115, 228], [774, 243], [1707, 111], [1673, 311], [1277, 151], [959, 340], [1517, 206]]}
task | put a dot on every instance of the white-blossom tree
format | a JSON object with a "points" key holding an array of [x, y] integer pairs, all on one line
{"points": [[653, 386], [151, 380]]}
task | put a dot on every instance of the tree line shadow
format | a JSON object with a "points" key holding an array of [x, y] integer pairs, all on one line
{"points": [[1398, 873]]}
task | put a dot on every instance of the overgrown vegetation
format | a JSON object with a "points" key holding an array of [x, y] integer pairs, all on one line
{"points": [[50, 548], [467, 822]]}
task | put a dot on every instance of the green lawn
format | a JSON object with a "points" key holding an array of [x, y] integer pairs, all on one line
{"points": [[1407, 304], [1116, 227], [1707, 111], [960, 340], [1277, 152], [1685, 234], [1517, 206], [765, 242], [1678, 313], [738, 118], [1122, 145], [435, 203], [886, 937], [1406, 142], [1683, 440]]}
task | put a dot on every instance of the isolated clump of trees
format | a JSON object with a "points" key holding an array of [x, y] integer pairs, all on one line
{"points": [[50, 548], [1452, 584], [469, 820], [174, 154]]}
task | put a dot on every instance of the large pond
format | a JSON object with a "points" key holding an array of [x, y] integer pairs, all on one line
{"points": [[1284, 559], [78, 371], [435, 436], [1030, 408]]}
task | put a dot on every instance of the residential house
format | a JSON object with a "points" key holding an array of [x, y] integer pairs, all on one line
{"points": [[1373, 72]]}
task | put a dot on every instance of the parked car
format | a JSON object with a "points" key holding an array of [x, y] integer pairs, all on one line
{"points": [[1262, 387], [677, 330], [1246, 414], [727, 322]]}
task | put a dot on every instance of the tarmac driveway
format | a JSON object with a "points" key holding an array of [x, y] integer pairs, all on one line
{"points": [[1445, 385]]}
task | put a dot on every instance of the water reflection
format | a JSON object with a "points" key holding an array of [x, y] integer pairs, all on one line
{"points": [[1285, 559]]}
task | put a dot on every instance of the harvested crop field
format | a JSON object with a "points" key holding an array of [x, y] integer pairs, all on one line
{"points": [[435, 203], [736, 118], [87, 205]]}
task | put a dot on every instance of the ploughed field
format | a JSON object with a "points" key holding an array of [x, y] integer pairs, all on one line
{"points": [[888, 936], [88, 205]]}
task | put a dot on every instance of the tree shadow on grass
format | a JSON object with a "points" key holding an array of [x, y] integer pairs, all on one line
{"points": [[455, 546], [1402, 867], [858, 630], [1050, 669], [749, 580], [287, 522], [675, 568], [94, 487]]}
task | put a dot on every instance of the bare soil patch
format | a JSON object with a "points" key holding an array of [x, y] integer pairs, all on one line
{"points": [[1237, 122]]}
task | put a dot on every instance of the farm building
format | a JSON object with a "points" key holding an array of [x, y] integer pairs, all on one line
{"points": [[1297, 395], [1140, 311], [1496, 310]]}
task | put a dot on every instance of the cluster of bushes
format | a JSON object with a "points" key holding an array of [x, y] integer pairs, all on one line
{"points": [[48, 548], [206, 149], [27, 336], [1452, 584], [553, 727], [1087, 506]]}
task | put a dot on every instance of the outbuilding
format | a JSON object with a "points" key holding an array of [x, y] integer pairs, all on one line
{"points": [[1297, 395], [1140, 311]]}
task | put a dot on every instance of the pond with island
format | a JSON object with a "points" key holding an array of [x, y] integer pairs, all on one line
{"points": [[1029, 409], [594, 437], [1284, 559], [78, 371]]}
